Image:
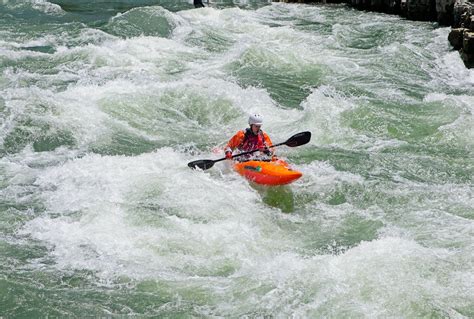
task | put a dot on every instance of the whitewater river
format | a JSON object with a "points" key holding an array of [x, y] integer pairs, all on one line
{"points": [[102, 105]]}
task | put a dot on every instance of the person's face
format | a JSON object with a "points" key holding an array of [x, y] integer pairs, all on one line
{"points": [[255, 128]]}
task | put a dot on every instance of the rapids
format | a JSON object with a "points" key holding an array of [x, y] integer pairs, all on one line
{"points": [[103, 104]]}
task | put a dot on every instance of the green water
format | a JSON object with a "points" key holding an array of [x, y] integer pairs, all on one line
{"points": [[104, 103]]}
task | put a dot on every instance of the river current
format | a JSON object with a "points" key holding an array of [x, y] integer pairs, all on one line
{"points": [[103, 104]]}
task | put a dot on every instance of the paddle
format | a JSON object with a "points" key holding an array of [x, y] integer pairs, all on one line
{"points": [[296, 140]]}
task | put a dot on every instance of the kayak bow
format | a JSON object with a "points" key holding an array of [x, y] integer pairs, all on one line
{"points": [[267, 173]]}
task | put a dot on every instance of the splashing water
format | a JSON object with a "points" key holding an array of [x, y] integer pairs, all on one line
{"points": [[102, 106]]}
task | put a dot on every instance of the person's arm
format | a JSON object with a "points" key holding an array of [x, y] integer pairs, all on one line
{"points": [[233, 143], [268, 142]]}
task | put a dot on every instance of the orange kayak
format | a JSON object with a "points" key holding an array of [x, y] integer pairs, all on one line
{"points": [[267, 173]]}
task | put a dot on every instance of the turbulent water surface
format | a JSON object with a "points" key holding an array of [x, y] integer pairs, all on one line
{"points": [[104, 103]]}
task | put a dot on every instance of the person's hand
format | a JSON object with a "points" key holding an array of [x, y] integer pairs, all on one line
{"points": [[228, 155], [266, 151]]}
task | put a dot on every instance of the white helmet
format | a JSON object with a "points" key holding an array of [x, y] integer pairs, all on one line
{"points": [[255, 119]]}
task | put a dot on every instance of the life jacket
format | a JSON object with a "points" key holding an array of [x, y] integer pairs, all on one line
{"points": [[251, 141]]}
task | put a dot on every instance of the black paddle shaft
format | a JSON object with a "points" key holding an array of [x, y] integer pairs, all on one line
{"points": [[296, 140]]}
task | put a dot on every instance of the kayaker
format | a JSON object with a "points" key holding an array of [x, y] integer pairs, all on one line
{"points": [[250, 139]]}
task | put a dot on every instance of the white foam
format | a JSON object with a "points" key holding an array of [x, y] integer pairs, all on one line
{"points": [[461, 130], [47, 7], [94, 219], [323, 109], [383, 277], [321, 174], [39, 5], [150, 217]]}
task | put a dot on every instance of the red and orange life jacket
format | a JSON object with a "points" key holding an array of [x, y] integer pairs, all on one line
{"points": [[247, 141]]}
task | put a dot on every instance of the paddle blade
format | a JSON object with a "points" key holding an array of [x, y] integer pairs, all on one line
{"points": [[298, 139], [202, 164]]}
